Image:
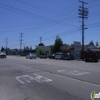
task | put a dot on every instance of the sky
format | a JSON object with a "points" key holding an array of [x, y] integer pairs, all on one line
{"points": [[47, 19]]}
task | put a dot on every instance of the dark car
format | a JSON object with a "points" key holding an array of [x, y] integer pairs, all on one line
{"points": [[91, 56], [43, 56], [52, 56], [68, 56]]}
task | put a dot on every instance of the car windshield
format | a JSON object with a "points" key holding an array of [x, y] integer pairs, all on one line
{"points": [[44, 49]]}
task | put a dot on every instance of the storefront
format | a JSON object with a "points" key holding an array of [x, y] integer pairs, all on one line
{"points": [[43, 50]]}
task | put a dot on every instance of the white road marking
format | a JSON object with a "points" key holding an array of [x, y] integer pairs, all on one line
{"points": [[29, 79], [17, 78], [41, 78], [73, 72]]}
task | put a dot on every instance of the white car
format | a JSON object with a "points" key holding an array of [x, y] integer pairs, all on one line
{"points": [[58, 56], [31, 56], [2, 55]]}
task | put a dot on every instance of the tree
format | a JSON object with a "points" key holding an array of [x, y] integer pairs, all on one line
{"points": [[91, 43], [57, 45], [27, 48], [2, 49], [97, 44], [30, 47], [72, 44], [24, 47], [41, 44]]}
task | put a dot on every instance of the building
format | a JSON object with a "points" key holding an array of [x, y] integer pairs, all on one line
{"points": [[43, 50]]}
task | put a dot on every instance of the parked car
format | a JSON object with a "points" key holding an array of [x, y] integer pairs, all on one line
{"points": [[2, 55], [52, 56], [58, 56], [68, 56], [43, 56], [31, 56], [91, 56]]}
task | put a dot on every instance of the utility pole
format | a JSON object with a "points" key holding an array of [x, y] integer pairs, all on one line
{"points": [[83, 13], [40, 39], [21, 36], [6, 44]]}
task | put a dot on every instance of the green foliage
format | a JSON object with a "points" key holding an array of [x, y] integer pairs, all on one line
{"points": [[52, 49], [72, 44], [30, 47], [97, 44], [2, 49], [91, 43], [41, 44], [57, 45], [27, 50]]}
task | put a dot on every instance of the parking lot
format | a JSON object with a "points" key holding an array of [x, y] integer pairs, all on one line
{"points": [[48, 78]]}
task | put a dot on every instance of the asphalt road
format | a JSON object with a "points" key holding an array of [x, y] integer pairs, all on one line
{"points": [[47, 79]]}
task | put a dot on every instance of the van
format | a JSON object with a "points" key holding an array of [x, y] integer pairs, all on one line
{"points": [[91, 56], [68, 56]]}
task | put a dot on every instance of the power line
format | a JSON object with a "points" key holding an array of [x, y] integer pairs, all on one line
{"points": [[37, 28], [60, 34], [22, 11], [94, 5], [38, 7], [31, 13], [61, 15], [52, 21], [25, 11], [91, 1], [52, 37], [93, 24]]}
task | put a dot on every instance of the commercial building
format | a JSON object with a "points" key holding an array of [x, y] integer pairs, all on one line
{"points": [[43, 50]]}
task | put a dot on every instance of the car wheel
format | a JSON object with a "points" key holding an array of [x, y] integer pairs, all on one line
{"points": [[96, 60], [86, 60]]}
